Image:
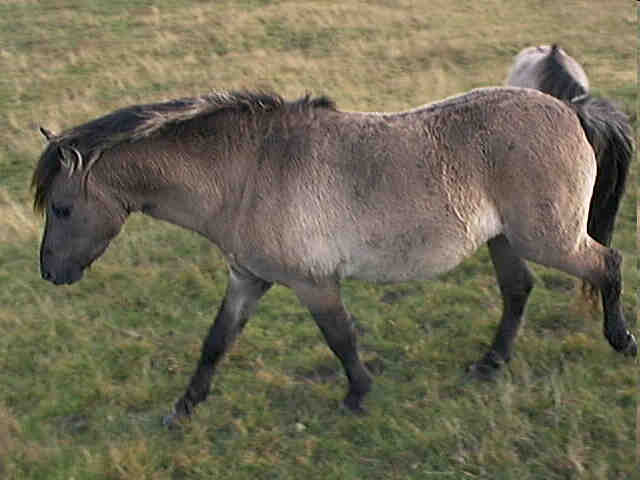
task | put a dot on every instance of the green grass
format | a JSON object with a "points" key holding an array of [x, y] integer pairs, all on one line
{"points": [[86, 372]]}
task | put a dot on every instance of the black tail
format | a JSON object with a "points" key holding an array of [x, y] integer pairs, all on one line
{"points": [[609, 133]]}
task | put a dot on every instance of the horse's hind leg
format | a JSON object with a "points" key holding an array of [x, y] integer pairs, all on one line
{"points": [[243, 292], [515, 282], [336, 325], [615, 327], [600, 266]]}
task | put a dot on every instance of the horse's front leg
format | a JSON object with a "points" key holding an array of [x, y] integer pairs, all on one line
{"points": [[336, 325], [243, 292]]}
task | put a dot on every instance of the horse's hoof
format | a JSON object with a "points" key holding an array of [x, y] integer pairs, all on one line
{"points": [[359, 410], [487, 368], [631, 350], [181, 413], [624, 342], [170, 421], [480, 371], [353, 402], [173, 421]]}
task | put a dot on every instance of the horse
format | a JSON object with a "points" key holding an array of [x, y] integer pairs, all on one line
{"points": [[303, 194], [551, 70]]}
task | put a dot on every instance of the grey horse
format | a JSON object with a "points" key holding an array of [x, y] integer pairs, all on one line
{"points": [[549, 69], [303, 194]]}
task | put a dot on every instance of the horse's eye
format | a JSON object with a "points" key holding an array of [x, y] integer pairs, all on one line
{"points": [[61, 211]]}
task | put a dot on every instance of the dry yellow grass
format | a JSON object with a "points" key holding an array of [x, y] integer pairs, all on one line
{"points": [[342, 52], [18, 222]]}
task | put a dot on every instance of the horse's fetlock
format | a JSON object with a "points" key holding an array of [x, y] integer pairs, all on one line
{"points": [[197, 392], [183, 407], [363, 386]]}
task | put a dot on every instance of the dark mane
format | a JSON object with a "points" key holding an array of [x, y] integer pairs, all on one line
{"points": [[556, 80], [136, 122]]}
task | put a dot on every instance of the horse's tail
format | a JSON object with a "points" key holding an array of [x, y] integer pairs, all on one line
{"points": [[609, 132]]}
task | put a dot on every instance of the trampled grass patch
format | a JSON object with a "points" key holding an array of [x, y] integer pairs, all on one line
{"points": [[88, 371]]}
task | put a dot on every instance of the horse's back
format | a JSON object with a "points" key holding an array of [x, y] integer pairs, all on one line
{"points": [[394, 197], [513, 162], [543, 170]]}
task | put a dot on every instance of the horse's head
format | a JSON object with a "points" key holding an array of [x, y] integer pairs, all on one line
{"points": [[81, 219]]}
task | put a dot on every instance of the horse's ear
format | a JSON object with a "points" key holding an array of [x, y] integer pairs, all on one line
{"points": [[70, 159], [48, 134]]}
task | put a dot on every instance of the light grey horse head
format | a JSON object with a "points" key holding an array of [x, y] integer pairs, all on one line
{"points": [[548, 69]]}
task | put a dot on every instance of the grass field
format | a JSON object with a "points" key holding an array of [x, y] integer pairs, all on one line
{"points": [[87, 371]]}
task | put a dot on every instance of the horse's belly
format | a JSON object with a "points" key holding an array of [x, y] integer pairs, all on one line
{"points": [[418, 264], [420, 254]]}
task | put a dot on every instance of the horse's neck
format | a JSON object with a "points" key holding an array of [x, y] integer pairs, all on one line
{"points": [[180, 207], [171, 185]]}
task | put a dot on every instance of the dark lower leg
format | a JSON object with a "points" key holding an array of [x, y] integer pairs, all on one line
{"points": [[218, 340], [241, 297], [600, 266], [512, 316], [615, 326], [515, 282], [336, 325], [337, 328]]}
